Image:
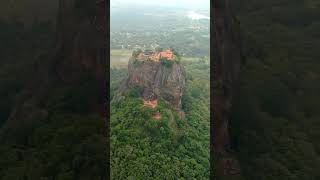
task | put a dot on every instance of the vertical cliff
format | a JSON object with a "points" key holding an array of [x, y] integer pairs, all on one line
{"points": [[28, 11], [226, 71], [61, 112], [79, 57], [158, 80], [81, 44]]}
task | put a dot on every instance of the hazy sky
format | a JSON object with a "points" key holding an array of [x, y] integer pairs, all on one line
{"points": [[194, 4]]}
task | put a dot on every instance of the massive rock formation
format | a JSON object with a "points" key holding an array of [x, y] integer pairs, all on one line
{"points": [[158, 80], [77, 62], [28, 11], [82, 45], [75, 70], [228, 56], [79, 57]]}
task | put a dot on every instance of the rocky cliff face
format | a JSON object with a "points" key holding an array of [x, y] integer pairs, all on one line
{"points": [[228, 56], [75, 69], [81, 45], [28, 11], [80, 56], [81, 38], [158, 80]]}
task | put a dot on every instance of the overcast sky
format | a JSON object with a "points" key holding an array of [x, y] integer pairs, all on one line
{"points": [[194, 4]]}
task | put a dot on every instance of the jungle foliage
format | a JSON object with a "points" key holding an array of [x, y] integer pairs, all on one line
{"points": [[170, 148], [276, 118]]}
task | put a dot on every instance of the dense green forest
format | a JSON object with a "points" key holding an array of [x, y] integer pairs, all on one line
{"points": [[169, 148], [276, 118]]}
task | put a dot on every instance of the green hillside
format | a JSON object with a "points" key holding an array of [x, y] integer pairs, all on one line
{"points": [[276, 118], [170, 148]]}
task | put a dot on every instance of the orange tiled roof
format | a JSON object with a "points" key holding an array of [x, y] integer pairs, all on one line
{"points": [[158, 55], [167, 54]]}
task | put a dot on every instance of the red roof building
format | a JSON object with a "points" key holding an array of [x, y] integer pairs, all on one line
{"points": [[166, 54], [156, 56]]}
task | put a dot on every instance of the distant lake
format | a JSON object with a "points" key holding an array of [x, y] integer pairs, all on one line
{"points": [[196, 16]]}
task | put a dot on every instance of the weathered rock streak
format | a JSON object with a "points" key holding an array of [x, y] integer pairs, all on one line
{"points": [[158, 80]]}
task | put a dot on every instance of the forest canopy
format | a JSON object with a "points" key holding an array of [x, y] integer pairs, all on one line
{"points": [[275, 121]]}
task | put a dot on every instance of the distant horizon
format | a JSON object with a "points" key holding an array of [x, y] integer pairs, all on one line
{"points": [[188, 4], [197, 16]]}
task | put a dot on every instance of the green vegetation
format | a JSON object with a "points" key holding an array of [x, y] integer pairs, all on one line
{"points": [[167, 63], [134, 92], [170, 148], [276, 118], [159, 49], [136, 53]]}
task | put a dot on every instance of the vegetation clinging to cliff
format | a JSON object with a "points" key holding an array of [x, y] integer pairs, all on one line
{"points": [[167, 63]]}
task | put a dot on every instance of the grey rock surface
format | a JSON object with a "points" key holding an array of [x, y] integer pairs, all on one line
{"points": [[158, 80]]}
